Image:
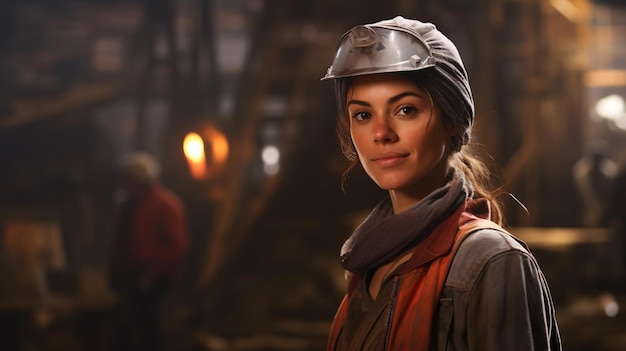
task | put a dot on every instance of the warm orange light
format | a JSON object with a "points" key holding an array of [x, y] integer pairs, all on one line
{"points": [[219, 146], [201, 165], [193, 147]]}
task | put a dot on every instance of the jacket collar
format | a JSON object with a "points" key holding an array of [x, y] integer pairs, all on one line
{"points": [[441, 240]]}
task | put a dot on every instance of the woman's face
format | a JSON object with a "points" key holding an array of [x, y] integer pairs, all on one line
{"points": [[398, 134]]}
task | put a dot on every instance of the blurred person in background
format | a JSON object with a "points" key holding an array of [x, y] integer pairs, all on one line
{"points": [[147, 255], [430, 268], [593, 176], [616, 217]]}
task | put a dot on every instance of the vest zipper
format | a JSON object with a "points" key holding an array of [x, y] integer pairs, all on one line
{"points": [[392, 306]]}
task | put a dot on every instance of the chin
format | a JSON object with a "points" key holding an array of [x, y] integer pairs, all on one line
{"points": [[390, 184]]}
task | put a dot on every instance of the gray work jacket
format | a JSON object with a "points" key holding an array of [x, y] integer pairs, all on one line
{"points": [[495, 293]]}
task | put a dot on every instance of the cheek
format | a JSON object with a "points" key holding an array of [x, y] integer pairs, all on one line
{"points": [[439, 143], [357, 137], [433, 143], [357, 144]]}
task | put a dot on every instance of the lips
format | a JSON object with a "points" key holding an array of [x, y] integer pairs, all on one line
{"points": [[389, 159]]}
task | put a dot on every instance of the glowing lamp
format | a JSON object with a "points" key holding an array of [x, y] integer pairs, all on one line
{"points": [[193, 147]]}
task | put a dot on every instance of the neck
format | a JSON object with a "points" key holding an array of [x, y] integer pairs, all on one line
{"points": [[401, 201]]}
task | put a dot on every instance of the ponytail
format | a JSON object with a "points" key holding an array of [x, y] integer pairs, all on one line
{"points": [[480, 177]]}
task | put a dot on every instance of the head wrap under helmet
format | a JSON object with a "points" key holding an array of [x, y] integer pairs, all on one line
{"points": [[405, 45]]}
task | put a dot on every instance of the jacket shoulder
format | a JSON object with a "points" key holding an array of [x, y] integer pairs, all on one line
{"points": [[477, 250]]}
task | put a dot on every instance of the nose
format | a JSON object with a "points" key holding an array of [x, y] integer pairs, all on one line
{"points": [[383, 132]]}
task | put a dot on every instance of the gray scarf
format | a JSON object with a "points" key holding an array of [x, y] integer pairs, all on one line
{"points": [[384, 235]]}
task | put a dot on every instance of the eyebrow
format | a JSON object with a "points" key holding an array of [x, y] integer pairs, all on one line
{"points": [[391, 100]]}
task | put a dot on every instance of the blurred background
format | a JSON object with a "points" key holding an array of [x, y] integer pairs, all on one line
{"points": [[83, 83]]}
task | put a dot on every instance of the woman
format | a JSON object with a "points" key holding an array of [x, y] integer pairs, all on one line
{"points": [[430, 267]]}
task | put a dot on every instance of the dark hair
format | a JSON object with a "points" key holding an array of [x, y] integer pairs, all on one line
{"points": [[463, 157]]}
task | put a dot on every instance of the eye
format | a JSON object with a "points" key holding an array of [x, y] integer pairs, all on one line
{"points": [[406, 110], [361, 115]]}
